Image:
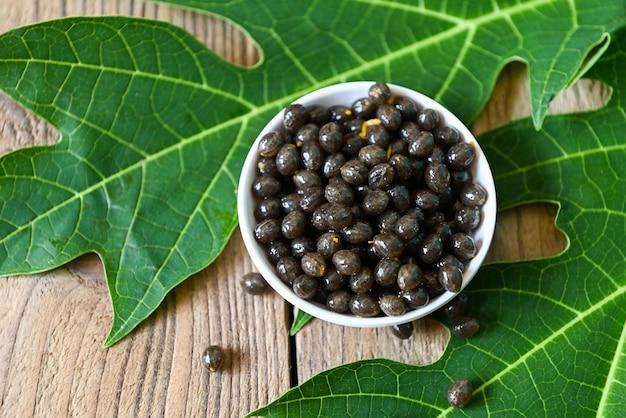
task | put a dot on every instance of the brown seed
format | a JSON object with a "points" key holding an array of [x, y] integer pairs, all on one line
{"points": [[253, 283], [460, 393], [402, 331], [212, 358], [464, 326], [347, 262], [387, 245], [392, 305], [415, 298], [305, 286], [364, 304], [339, 301], [450, 277], [313, 264], [270, 143], [361, 281]]}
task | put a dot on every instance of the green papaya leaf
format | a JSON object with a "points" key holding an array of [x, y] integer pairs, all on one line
{"points": [[553, 331], [451, 51], [147, 165], [154, 127], [301, 318]]}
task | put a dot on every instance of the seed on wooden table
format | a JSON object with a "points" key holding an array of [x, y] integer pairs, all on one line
{"points": [[212, 358], [253, 283], [402, 331]]}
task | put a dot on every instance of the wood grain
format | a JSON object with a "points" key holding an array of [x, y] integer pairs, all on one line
{"points": [[52, 324]]}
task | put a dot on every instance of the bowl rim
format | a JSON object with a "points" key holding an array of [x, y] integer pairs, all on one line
{"points": [[350, 91]]}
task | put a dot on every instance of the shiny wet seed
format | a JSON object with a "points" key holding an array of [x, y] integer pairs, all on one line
{"points": [[346, 261], [313, 264], [294, 116], [450, 277], [301, 246], [416, 297], [305, 286], [212, 358], [464, 326], [392, 305], [339, 301], [402, 331], [253, 283], [460, 393], [293, 224], [271, 143], [358, 232], [386, 271], [329, 243], [361, 281]]}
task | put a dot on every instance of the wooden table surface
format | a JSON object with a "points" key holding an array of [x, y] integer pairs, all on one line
{"points": [[53, 324]]}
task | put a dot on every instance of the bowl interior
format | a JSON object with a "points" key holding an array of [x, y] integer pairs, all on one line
{"points": [[346, 94]]}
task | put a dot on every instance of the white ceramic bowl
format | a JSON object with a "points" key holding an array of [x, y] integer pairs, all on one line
{"points": [[346, 94]]}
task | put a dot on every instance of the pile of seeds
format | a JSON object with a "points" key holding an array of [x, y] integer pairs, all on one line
{"points": [[368, 208]]}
